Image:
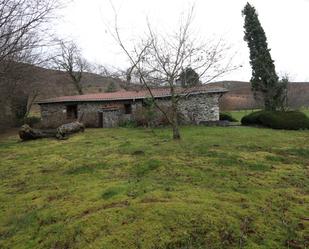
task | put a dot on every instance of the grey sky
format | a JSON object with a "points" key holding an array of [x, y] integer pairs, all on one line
{"points": [[285, 22]]}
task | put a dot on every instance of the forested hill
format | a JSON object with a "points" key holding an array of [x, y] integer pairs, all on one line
{"points": [[240, 95]]}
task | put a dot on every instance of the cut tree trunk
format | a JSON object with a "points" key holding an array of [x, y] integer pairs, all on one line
{"points": [[27, 133], [62, 132]]}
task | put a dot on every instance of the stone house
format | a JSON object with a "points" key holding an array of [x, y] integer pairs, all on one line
{"points": [[196, 105]]}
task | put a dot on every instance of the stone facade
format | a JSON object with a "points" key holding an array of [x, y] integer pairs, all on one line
{"points": [[196, 109], [193, 109]]}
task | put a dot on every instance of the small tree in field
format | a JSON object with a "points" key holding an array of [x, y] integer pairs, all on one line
{"points": [[159, 59], [264, 79]]}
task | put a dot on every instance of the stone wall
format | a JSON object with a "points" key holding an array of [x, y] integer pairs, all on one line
{"points": [[194, 109], [55, 114]]}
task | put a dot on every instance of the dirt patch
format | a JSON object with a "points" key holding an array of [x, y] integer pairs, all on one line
{"points": [[4, 134]]}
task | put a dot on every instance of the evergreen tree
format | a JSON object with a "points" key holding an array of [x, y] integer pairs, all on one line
{"points": [[189, 78], [264, 79]]}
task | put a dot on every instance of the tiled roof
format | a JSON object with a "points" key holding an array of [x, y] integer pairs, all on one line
{"points": [[128, 95]]}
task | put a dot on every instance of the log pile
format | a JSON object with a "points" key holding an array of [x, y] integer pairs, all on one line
{"points": [[62, 132]]}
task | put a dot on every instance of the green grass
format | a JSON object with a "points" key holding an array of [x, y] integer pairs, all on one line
{"points": [[241, 113], [218, 187], [305, 110]]}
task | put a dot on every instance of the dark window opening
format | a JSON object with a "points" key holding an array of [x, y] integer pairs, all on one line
{"points": [[127, 108], [72, 111]]}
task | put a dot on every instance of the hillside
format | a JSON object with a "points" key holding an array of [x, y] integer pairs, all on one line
{"points": [[240, 95], [53, 83], [27, 80]]}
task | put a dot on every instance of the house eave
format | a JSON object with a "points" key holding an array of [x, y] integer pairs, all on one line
{"points": [[43, 102]]}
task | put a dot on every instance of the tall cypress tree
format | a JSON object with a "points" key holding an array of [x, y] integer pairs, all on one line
{"points": [[264, 79]]}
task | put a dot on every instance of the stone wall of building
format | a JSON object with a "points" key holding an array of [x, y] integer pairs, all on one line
{"points": [[194, 109], [53, 115]]}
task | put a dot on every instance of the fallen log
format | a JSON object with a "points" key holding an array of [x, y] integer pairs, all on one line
{"points": [[62, 132], [28, 133]]}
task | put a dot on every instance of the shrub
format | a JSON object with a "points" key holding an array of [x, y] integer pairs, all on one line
{"points": [[31, 121], [148, 116], [252, 119], [128, 124], [140, 117], [291, 120], [227, 117]]}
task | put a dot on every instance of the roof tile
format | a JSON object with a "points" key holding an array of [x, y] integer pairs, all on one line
{"points": [[127, 95]]}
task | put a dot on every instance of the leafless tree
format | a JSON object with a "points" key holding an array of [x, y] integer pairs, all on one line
{"points": [[20, 23], [71, 61], [159, 58], [23, 34], [106, 71]]}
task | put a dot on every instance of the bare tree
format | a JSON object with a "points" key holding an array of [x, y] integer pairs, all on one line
{"points": [[71, 61], [106, 71], [23, 34], [20, 23], [159, 58]]}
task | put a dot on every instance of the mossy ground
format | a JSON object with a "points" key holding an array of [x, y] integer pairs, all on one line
{"points": [[134, 188]]}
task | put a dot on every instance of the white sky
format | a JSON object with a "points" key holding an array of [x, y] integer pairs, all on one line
{"points": [[284, 21]]}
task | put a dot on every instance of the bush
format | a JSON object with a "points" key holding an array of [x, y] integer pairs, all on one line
{"points": [[128, 124], [291, 120], [227, 117], [31, 121], [252, 119]]}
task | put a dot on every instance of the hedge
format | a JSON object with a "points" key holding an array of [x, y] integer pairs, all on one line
{"points": [[227, 117], [290, 120]]}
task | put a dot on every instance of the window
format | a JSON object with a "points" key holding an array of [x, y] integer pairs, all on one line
{"points": [[72, 111], [127, 108]]}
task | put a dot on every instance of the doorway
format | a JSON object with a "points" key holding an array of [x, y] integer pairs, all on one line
{"points": [[100, 119]]}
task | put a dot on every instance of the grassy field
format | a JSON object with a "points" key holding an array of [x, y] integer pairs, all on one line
{"points": [[239, 114], [132, 188]]}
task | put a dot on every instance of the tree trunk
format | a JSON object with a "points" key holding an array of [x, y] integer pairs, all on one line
{"points": [[175, 126], [269, 104], [78, 88], [62, 132], [176, 134], [27, 133]]}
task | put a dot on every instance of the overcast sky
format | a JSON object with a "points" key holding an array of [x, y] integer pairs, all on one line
{"points": [[285, 22]]}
